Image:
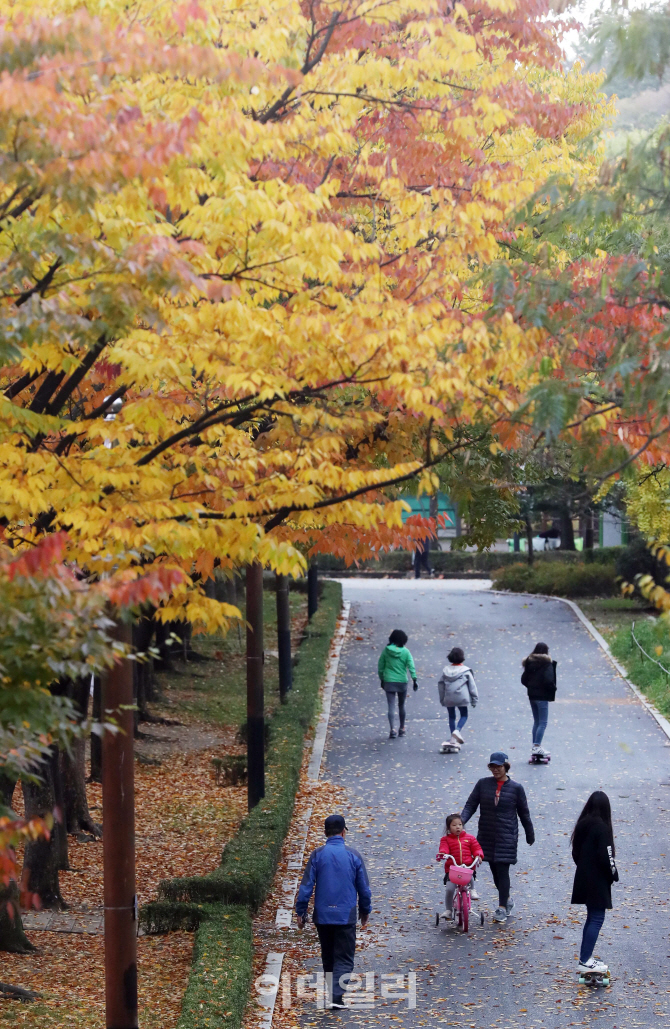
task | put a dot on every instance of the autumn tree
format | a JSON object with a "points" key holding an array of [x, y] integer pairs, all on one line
{"points": [[287, 291]]}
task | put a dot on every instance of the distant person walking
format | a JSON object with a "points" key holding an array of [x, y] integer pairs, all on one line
{"points": [[502, 805], [593, 852], [395, 661], [422, 557], [457, 688], [539, 678], [337, 876]]}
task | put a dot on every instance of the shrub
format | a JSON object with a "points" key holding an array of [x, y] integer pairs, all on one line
{"points": [[587, 580], [637, 559]]}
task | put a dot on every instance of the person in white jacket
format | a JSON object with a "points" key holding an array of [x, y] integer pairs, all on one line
{"points": [[457, 689]]}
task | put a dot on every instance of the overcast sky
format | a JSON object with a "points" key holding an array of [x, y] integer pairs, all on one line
{"points": [[583, 11]]}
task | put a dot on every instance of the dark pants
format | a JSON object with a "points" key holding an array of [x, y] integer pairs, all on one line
{"points": [[500, 873], [338, 947], [540, 709], [421, 559], [592, 926], [451, 711]]}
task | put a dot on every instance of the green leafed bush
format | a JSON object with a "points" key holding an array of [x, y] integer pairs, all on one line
{"points": [[561, 580]]}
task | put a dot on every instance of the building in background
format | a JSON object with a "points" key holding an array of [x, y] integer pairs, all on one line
{"points": [[438, 506]]}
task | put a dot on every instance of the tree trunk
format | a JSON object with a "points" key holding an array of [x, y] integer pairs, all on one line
{"points": [[567, 532], [41, 859], [588, 531], [13, 940], [143, 630], [59, 831], [529, 537], [77, 815], [284, 635], [96, 741], [164, 645], [312, 590]]}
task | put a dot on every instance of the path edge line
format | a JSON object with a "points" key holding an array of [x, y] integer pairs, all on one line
{"points": [[319, 744], [660, 719]]}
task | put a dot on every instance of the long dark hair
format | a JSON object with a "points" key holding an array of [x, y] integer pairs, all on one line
{"points": [[597, 806]]}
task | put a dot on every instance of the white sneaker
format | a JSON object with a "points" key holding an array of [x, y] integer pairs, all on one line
{"points": [[447, 914], [457, 736], [592, 966], [473, 894], [537, 749]]}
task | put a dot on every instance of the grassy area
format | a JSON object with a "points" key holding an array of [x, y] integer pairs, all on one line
{"points": [[611, 614], [214, 690], [653, 635]]}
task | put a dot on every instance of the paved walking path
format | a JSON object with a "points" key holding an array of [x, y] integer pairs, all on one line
{"points": [[522, 974]]}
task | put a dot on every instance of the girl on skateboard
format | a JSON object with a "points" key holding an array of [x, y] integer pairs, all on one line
{"points": [[593, 852], [456, 687], [539, 678]]}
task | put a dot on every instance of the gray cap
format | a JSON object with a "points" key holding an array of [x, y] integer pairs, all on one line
{"points": [[498, 758]]}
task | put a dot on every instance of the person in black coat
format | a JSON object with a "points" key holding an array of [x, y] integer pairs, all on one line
{"points": [[502, 804], [593, 852], [539, 678]]}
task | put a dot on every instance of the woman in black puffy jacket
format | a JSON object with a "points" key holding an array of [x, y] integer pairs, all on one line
{"points": [[593, 852], [539, 678], [502, 805]]}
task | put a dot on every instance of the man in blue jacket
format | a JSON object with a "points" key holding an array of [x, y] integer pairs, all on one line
{"points": [[338, 877]]}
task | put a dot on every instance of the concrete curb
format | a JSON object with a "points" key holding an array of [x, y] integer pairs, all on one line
{"points": [[660, 719], [318, 747]]}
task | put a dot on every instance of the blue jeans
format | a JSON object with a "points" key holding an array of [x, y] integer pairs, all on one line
{"points": [[592, 926], [540, 710], [451, 711]]}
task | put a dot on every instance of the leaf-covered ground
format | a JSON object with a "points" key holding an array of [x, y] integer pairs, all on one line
{"points": [[183, 820]]}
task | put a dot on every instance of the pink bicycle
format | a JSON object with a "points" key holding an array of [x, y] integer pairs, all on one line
{"points": [[462, 876]]}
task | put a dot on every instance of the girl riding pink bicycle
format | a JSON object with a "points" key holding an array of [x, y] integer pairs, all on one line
{"points": [[461, 854]]}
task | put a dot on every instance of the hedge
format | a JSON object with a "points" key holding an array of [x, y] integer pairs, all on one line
{"points": [[460, 561], [220, 980], [586, 580]]}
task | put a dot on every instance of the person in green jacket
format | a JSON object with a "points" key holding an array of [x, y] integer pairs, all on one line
{"points": [[395, 661]]}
